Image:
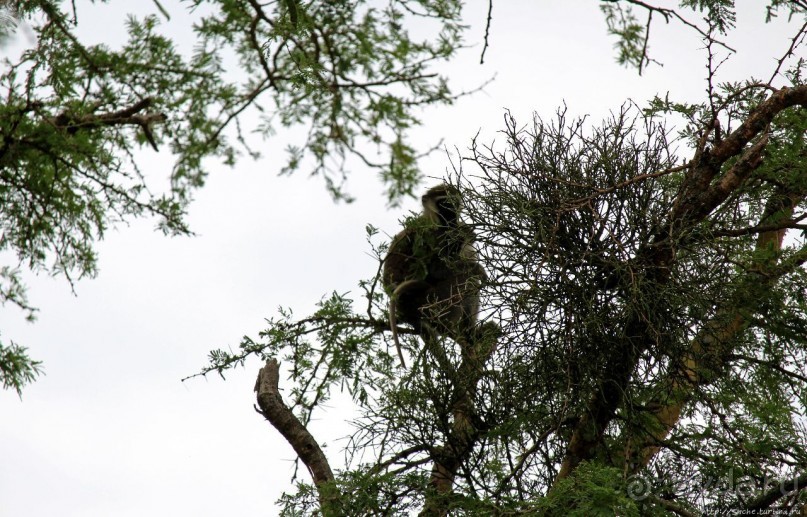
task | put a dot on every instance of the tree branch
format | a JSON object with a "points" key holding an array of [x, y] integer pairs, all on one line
{"points": [[449, 457], [271, 406], [698, 198], [487, 32], [672, 13], [711, 347], [127, 116], [782, 489], [797, 40]]}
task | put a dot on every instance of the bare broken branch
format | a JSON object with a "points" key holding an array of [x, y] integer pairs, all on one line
{"points": [[272, 407]]}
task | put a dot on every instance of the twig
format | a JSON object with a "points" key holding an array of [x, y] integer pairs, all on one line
{"points": [[793, 44], [487, 31], [672, 13], [646, 39]]}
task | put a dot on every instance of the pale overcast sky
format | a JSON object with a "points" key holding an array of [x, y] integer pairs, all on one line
{"points": [[111, 431]]}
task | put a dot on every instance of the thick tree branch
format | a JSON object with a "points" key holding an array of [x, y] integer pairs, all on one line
{"points": [[271, 406], [709, 350], [700, 195], [758, 120], [782, 489]]}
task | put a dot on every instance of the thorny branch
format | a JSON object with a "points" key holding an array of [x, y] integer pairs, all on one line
{"points": [[669, 14], [487, 32], [795, 42]]}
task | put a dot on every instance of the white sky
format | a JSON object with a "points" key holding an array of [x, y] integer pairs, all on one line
{"points": [[111, 431]]}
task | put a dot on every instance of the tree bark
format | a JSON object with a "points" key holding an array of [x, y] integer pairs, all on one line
{"points": [[271, 406], [703, 359], [702, 191]]}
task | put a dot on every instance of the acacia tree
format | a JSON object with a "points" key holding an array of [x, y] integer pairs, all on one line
{"points": [[74, 115], [647, 292]]}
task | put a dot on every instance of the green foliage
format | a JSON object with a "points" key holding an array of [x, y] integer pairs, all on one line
{"points": [[75, 116], [366, 493], [707, 17], [16, 368], [568, 218], [593, 490], [721, 13], [623, 24], [350, 71], [332, 348], [623, 281], [792, 8]]}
